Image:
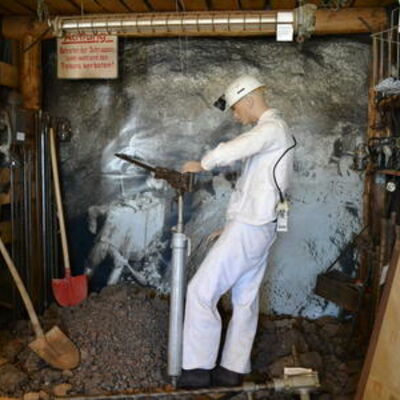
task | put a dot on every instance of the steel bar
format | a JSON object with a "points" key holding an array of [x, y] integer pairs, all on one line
{"points": [[374, 61], [381, 56], [397, 49], [44, 209], [248, 387]]}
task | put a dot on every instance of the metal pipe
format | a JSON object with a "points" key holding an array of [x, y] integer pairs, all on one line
{"points": [[194, 23], [179, 246], [381, 56], [374, 61], [302, 385], [247, 387], [397, 43]]}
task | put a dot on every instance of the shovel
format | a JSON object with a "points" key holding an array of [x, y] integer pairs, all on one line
{"points": [[71, 290], [54, 346]]}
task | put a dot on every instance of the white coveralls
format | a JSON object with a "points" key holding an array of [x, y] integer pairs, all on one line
{"points": [[238, 259]]}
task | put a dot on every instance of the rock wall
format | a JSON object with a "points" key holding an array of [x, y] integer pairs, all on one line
{"points": [[160, 109]]}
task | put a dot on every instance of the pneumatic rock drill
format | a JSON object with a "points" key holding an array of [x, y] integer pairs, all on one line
{"points": [[182, 183]]}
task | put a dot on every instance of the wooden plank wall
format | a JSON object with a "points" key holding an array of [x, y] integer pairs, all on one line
{"points": [[380, 376]]}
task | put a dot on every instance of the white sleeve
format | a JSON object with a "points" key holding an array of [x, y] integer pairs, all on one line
{"points": [[243, 146]]}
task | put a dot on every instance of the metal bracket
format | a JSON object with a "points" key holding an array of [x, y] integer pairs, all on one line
{"points": [[305, 20]]}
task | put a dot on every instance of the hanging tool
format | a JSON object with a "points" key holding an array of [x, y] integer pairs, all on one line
{"points": [[71, 290], [54, 346], [180, 251]]}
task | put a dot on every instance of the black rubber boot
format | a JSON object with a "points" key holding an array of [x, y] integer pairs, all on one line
{"points": [[195, 378], [225, 377]]}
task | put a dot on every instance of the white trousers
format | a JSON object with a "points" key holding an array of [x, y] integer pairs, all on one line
{"points": [[237, 261]]}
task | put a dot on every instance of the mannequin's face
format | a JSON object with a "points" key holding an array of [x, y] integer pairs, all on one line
{"points": [[242, 111]]}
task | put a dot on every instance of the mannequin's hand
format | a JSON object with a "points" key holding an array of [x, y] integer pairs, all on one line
{"points": [[191, 166], [215, 235]]}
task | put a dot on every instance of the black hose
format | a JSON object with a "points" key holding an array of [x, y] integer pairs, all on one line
{"points": [[282, 199]]}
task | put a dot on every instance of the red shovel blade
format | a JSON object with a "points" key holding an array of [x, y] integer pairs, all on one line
{"points": [[70, 291]]}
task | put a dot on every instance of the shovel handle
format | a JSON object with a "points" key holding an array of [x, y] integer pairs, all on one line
{"points": [[60, 211], [22, 290]]}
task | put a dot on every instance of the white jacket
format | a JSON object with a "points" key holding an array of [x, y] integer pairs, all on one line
{"points": [[255, 197]]}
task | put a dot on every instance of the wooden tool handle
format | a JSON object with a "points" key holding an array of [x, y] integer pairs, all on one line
{"points": [[22, 290], [60, 211]]}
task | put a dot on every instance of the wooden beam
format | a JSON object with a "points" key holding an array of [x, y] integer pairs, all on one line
{"points": [[18, 27], [290, 4], [32, 5], [15, 7], [282, 4], [113, 6], [4, 11], [379, 377], [88, 6], [31, 74], [373, 3], [8, 75], [63, 6], [194, 5], [347, 20], [137, 5], [252, 4], [219, 5], [164, 5]]}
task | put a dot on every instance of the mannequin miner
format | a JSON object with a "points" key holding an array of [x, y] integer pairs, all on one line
{"points": [[238, 259]]}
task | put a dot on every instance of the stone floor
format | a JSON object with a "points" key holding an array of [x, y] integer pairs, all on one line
{"points": [[122, 336]]}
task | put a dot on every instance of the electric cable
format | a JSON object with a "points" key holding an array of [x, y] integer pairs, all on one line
{"points": [[281, 197]]}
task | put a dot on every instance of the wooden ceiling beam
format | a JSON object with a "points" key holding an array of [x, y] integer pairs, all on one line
{"points": [[289, 4], [32, 5], [17, 27], [63, 7], [4, 11], [164, 5], [113, 6], [349, 20], [194, 5], [253, 4], [220, 5], [282, 4], [373, 3], [14, 7], [137, 5], [89, 6]]}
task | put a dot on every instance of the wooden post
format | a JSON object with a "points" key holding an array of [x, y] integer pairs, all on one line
{"points": [[31, 73], [30, 79]]}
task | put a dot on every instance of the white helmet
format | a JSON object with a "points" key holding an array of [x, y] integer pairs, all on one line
{"points": [[240, 88]]}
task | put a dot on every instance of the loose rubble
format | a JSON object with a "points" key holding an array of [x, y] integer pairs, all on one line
{"points": [[122, 336]]}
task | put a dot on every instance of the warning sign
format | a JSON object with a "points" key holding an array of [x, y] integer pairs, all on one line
{"points": [[87, 56]]}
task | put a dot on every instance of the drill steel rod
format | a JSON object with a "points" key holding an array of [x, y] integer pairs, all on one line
{"points": [[132, 160], [248, 387]]}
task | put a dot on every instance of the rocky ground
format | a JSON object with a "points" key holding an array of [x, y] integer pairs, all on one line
{"points": [[122, 335]]}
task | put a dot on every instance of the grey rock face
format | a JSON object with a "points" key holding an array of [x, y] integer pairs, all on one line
{"points": [[160, 109]]}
